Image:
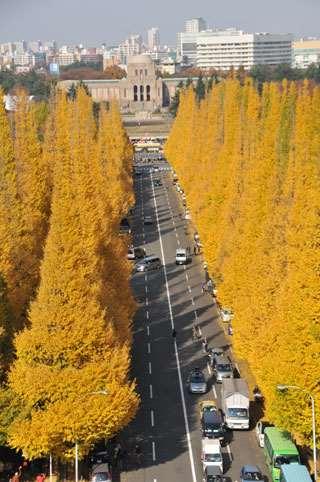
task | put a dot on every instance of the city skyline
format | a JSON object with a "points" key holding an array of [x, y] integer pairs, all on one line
{"points": [[106, 23]]}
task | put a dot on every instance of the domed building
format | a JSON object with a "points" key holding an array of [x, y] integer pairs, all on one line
{"points": [[141, 91]]}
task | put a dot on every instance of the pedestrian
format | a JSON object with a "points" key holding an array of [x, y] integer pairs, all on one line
{"points": [[138, 453], [174, 334], [230, 330], [204, 345], [195, 250]]}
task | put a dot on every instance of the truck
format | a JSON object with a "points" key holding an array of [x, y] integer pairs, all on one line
{"points": [[235, 403]]}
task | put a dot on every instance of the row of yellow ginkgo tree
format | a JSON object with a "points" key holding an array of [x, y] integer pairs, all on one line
{"points": [[65, 302], [249, 162]]}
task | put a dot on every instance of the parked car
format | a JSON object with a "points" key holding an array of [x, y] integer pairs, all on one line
{"points": [[259, 431], [99, 458], [222, 368], [102, 473], [124, 226], [196, 381], [136, 253], [147, 220], [251, 472], [149, 263]]}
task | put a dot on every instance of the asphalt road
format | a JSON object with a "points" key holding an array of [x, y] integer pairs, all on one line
{"points": [[167, 425]]}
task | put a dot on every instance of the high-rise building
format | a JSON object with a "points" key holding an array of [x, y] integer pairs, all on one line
{"points": [[187, 47], [306, 52], [34, 46], [223, 50], [195, 25], [153, 38], [20, 46], [131, 46]]}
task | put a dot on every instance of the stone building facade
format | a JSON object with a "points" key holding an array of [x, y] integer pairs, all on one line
{"points": [[141, 91]]}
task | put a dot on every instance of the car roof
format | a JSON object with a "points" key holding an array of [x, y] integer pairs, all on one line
{"points": [[222, 359], [212, 417], [251, 468], [213, 470], [211, 445]]}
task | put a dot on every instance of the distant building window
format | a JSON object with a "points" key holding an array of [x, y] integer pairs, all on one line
{"points": [[141, 73], [141, 93], [135, 93], [146, 72], [125, 93], [136, 72], [148, 93]]}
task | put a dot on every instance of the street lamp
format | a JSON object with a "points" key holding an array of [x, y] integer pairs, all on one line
{"points": [[76, 465], [284, 388]]}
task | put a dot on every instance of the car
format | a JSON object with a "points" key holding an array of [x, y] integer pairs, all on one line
{"points": [[99, 458], [226, 314], [149, 263], [207, 406], [183, 256], [222, 368], [124, 227], [157, 182], [214, 474], [259, 431], [196, 381], [251, 472], [136, 253], [211, 454], [147, 220], [102, 473], [212, 425]]}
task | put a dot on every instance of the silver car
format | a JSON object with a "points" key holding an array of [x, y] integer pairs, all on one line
{"points": [[149, 263], [196, 381], [222, 368]]}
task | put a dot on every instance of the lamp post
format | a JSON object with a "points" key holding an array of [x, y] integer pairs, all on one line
{"points": [[283, 388], [76, 455]]}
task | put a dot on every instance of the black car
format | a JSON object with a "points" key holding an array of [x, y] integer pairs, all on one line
{"points": [[213, 474], [212, 425]]}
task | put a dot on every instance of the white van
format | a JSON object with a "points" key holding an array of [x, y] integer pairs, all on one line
{"points": [[211, 453], [182, 256]]}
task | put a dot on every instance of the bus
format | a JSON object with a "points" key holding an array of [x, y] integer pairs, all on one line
{"points": [[294, 473], [279, 450]]}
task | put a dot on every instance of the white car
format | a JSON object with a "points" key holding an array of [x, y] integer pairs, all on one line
{"points": [[211, 454], [187, 214], [226, 314], [259, 431]]}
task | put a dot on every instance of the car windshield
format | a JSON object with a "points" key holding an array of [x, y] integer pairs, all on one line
{"points": [[252, 476], [238, 412], [212, 457], [180, 255], [286, 459], [197, 378], [224, 367], [102, 477]]}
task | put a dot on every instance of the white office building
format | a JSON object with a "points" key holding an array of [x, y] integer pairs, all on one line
{"points": [[187, 47], [154, 39], [232, 48], [195, 25], [305, 53]]}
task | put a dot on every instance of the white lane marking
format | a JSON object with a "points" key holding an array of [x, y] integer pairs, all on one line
{"points": [[184, 408], [149, 348], [229, 452], [178, 242], [153, 451], [150, 369], [184, 267], [148, 330], [187, 277], [196, 317], [209, 369], [189, 289], [214, 392], [147, 315], [147, 302], [192, 301], [145, 277], [177, 235], [151, 391], [152, 418], [146, 287]]}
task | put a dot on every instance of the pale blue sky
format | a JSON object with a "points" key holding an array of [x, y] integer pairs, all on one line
{"points": [[96, 21]]}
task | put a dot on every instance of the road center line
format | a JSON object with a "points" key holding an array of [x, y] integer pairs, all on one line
{"points": [[214, 391], [147, 315], [152, 418], [229, 452], [147, 302], [184, 408], [148, 330], [149, 348], [153, 451], [209, 369], [189, 289], [150, 369], [151, 391], [187, 277]]}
